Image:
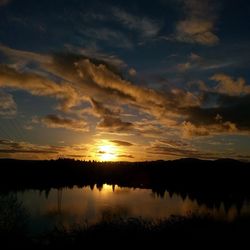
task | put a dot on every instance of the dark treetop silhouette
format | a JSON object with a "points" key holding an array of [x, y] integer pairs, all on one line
{"points": [[208, 182]]}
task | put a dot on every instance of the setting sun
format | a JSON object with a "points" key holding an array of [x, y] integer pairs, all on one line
{"points": [[107, 152]]}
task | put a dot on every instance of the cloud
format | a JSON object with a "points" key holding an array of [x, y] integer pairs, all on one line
{"points": [[233, 109], [75, 156], [198, 85], [30, 124], [39, 86], [195, 57], [9, 143], [149, 128], [170, 150], [145, 26], [160, 105], [228, 86], [125, 156], [228, 100], [185, 149], [122, 143], [196, 31], [90, 16], [25, 56], [173, 143], [97, 80], [182, 67], [100, 110], [132, 72], [56, 121], [107, 79], [195, 62], [25, 150], [182, 98], [94, 53], [199, 24], [114, 124], [7, 104], [110, 118], [190, 130], [224, 108], [101, 152], [4, 2], [111, 98], [112, 37]]}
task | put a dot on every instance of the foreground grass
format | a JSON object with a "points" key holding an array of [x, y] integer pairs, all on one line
{"points": [[134, 229]]}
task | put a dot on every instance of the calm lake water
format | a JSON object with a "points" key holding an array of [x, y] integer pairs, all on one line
{"points": [[69, 207]]}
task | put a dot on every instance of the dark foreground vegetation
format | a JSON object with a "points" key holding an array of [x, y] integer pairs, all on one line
{"points": [[115, 229], [176, 228], [209, 182]]}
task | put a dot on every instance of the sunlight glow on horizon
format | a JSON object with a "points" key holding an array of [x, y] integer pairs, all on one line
{"points": [[107, 152]]}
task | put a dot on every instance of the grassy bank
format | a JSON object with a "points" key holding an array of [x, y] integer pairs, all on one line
{"points": [[130, 230]]}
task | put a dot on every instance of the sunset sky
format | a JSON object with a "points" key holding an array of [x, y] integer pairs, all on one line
{"points": [[124, 80]]}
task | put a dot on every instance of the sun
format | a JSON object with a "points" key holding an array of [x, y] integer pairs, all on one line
{"points": [[107, 152]]}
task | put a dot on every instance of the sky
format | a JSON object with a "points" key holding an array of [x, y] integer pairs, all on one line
{"points": [[124, 80]]}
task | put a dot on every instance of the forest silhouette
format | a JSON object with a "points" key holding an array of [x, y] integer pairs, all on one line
{"points": [[208, 182], [212, 183]]}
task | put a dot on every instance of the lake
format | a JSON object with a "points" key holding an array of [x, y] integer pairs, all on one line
{"points": [[72, 206]]}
